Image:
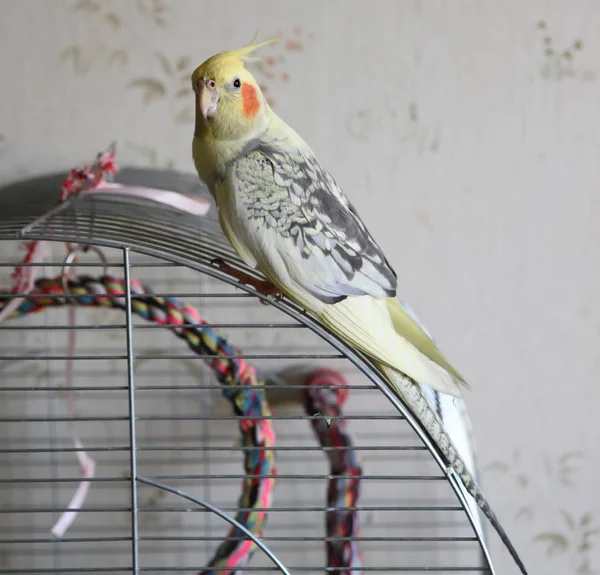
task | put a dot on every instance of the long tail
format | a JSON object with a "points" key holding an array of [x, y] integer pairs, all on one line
{"points": [[411, 394], [455, 419]]}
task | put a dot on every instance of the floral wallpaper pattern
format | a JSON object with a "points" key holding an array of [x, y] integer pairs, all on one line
{"points": [[105, 20], [468, 137], [569, 534], [562, 63]]}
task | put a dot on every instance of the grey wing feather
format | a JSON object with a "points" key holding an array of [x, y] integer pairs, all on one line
{"points": [[304, 204]]}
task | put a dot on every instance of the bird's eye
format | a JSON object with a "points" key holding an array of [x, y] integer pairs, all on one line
{"points": [[237, 83]]}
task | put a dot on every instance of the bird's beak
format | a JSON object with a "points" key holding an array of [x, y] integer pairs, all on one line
{"points": [[208, 98]]}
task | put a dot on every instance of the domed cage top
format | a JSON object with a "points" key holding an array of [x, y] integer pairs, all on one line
{"points": [[171, 455]]}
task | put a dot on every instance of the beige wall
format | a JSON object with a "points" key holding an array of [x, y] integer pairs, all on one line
{"points": [[465, 136]]}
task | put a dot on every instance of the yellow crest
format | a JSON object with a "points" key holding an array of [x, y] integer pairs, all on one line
{"points": [[242, 54], [225, 60]]}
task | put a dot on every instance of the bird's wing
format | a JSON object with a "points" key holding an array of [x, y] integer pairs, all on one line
{"points": [[301, 224], [294, 207]]}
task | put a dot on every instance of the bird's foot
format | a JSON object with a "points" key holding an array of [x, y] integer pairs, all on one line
{"points": [[264, 287]]}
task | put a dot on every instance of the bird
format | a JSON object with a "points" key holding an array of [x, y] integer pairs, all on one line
{"points": [[286, 217]]}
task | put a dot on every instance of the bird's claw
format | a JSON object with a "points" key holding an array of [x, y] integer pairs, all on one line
{"points": [[264, 287], [273, 296]]}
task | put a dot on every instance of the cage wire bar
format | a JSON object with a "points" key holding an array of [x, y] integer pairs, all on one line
{"points": [[131, 400], [163, 239]]}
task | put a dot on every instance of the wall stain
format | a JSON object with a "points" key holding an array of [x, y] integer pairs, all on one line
{"points": [[413, 112], [362, 124], [560, 63], [152, 501], [419, 134], [423, 219]]}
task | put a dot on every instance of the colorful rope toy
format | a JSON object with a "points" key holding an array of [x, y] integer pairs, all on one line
{"points": [[237, 377], [239, 381], [342, 525], [323, 393]]}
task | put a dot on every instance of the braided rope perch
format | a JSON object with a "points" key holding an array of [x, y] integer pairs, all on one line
{"points": [[239, 385], [237, 377], [341, 519]]}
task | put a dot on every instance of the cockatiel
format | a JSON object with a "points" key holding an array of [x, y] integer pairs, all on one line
{"points": [[285, 215]]}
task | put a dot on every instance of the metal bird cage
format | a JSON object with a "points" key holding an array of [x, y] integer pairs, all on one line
{"points": [[167, 437]]}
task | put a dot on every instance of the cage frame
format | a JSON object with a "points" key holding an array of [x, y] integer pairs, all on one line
{"points": [[188, 184]]}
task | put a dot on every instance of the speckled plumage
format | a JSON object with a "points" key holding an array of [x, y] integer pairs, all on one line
{"points": [[288, 195], [285, 215]]}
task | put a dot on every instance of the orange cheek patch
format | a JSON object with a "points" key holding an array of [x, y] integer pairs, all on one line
{"points": [[250, 100]]}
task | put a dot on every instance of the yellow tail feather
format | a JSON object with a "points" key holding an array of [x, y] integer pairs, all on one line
{"points": [[409, 329], [366, 322]]}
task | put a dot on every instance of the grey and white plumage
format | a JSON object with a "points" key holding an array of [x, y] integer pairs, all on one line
{"points": [[292, 199]]}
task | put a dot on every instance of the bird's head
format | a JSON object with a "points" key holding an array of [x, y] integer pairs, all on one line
{"points": [[229, 102]]}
